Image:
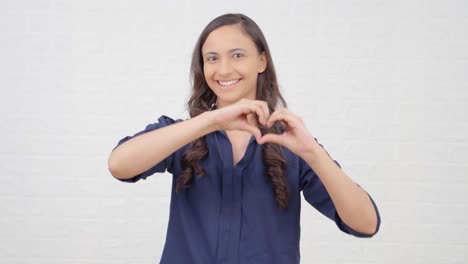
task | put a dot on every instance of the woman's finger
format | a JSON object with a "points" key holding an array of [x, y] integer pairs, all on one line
{"points": [[249, 108], [266, 112], [256, 106], [262, 115], [281, 115]]}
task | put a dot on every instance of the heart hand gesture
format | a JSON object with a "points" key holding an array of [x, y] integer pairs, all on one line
{"points": [[241, 116]]}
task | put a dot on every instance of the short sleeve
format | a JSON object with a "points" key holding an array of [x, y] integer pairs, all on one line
{"points": [[316, 195], [163, 165]]}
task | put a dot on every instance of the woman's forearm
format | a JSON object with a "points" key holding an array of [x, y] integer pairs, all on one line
{"points": [[352, 202], [144, 151]]}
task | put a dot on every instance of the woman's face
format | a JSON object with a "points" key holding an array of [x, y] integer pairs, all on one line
{"points": [[231, 64]]}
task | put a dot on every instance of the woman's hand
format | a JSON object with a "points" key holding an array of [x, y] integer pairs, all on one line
{"points": [[242, 116], [296, 137]]}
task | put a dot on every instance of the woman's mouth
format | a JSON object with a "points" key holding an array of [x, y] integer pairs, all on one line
{"points": [[228, 83]]}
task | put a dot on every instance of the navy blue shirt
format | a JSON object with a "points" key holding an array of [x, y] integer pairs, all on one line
{"points": [[230, 215]]}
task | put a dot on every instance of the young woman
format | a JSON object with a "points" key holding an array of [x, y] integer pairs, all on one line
{"points": [[240, 162]]}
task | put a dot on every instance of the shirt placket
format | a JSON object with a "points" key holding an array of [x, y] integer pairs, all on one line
{"points": [[230, 218]]}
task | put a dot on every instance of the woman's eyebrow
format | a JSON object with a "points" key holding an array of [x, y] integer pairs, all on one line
{"points": [[211, 53], [229, 51], [237, 49]]}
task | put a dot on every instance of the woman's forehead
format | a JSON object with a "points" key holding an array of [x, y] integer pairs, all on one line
{"points": [[226, 39]]}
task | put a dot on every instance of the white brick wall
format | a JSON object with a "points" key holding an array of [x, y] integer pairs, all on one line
{"points": [[382, 84]]}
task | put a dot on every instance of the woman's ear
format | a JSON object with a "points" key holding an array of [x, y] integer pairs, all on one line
{"points": [[262, 63]]}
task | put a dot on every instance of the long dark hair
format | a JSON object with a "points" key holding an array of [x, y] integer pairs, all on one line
{"points": [[203, 98]]}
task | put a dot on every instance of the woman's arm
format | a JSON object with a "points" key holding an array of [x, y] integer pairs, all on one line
{"points": [[142, 152], [352, 203]]}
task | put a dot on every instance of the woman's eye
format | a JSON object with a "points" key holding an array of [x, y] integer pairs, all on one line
{"points": [[238, 55], [211, 59]]}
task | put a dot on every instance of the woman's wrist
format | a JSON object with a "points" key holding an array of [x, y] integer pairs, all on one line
{"points": [[208, 118], [312, 151]]}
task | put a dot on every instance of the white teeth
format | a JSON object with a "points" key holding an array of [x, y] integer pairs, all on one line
{"points": [[228, 83]]}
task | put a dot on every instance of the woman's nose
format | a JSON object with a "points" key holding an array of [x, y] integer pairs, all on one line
{"points": [[225, 67]]}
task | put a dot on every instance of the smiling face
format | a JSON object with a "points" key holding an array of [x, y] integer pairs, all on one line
{"points": [[231, 64]]}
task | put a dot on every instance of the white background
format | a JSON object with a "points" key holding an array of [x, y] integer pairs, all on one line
{"points": [[382, 84]]}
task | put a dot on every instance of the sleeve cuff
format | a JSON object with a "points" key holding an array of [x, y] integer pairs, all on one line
{"points": [[345, 228]]}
